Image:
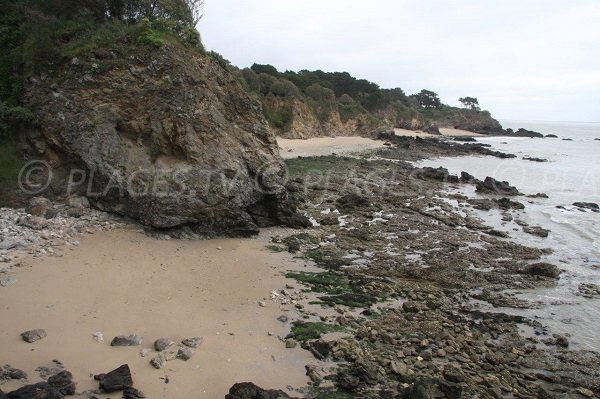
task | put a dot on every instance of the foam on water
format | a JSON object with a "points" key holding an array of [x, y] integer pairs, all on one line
{"points": [[571, 175]]}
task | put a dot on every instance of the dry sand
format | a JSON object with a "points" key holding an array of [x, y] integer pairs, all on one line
{"points": [[124, 282], [321, 146]]}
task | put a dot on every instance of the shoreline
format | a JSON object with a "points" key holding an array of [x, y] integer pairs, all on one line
{"points": [[389, 267]]}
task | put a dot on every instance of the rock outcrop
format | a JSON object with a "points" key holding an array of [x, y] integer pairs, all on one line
{"points": [[166, 136]]}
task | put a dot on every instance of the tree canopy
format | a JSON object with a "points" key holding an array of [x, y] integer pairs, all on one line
{"points": [[470, 103], [428, 99]]}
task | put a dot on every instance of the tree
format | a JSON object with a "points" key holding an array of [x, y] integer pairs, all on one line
{"points": [[196, 7], [470, 103], [428, 99]]}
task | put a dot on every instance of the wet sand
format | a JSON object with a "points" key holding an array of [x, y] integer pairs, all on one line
{"points": [[124, 282]]}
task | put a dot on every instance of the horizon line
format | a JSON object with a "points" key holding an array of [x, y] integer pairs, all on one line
{"points": [[544, 120]]}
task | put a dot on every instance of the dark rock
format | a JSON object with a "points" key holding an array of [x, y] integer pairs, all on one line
{"points": [[126, 340], [465, 139], [587, 205], [320, 348], [538, 195], [63, 382], [497, 233], [41, 390], [193, 342], [433, 130], [532, 159], [536, 231], [567, 139], [248, 390], [506, 204], [38, 206], [452, 390], [493, 186], [561, 340], [440, 174], [523, 133], [116, 380], [467, 178], [351, 201], [551, 136], [33, 335], [132, 393], [161, 344], [329, 220], [542, 269], [16, 374], [76, 212]]}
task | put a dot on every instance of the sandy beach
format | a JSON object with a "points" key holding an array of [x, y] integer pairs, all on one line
{"points": [[321, 146], [125, 282]]}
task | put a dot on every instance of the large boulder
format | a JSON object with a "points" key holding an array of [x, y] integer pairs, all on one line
{"points": [[248, 390], [166, 136]]}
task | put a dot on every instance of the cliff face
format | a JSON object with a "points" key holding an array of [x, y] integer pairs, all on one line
{"points": [[165, 136]]}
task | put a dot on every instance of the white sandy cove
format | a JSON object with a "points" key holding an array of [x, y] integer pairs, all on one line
{"points": [[321, 146], [124, 282]]}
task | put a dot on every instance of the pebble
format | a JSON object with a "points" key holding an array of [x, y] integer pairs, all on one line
{"points": [[126, 340], [162, 343], [185, 353], [193, 342], [33, 335]]}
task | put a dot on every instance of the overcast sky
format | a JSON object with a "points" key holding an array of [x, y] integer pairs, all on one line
{"points": [[523, 59]]}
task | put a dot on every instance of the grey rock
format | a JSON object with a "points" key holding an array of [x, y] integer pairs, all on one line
{"points": [[33, 222], [33, 335], [38, 206], [193, 342], [126, 340], [5, 281], [12, 243], [16, 374], [185, 353], [159, 361], [161, 344]]}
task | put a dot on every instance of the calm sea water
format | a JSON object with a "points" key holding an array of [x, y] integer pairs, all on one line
{"points": [[571, 175]]}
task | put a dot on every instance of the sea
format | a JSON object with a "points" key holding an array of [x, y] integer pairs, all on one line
{"points": [[572, 174]]}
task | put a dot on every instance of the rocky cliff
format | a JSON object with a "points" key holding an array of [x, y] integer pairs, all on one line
{"points": [[164, 135]]}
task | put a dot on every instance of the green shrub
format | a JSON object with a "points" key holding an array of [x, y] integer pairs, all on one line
{"points": [[280, 118]]}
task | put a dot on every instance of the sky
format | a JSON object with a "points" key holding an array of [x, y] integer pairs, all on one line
{"points": [[523, 60]]}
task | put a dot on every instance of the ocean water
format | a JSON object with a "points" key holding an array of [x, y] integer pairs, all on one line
{"points": [[571, 175]]}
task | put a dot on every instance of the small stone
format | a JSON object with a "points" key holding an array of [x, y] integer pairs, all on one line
{"points": [[33, 335], [399, 368], [16, 374], [290, 344], [159, 361], [283, 318], [585, 392], [162, 343], [193, 342], [262, 304], [132, 393], [185, 353], [98, 337], [126, 340], [144, 352]]}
